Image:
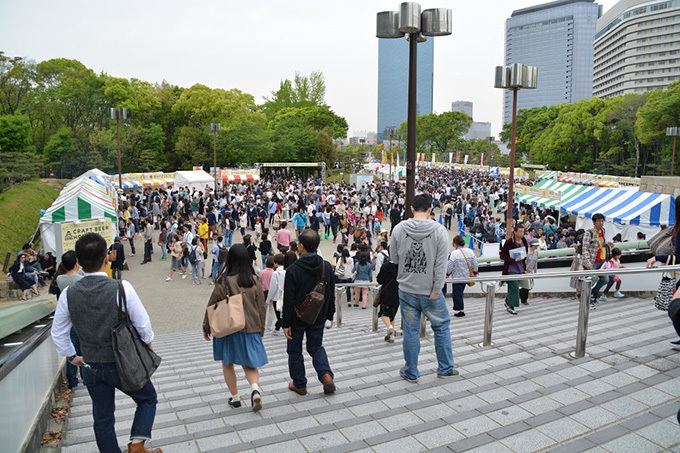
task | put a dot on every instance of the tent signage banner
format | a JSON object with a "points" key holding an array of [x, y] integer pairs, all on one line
{"points": [[72, 231], [140, 176], [538, 192]]}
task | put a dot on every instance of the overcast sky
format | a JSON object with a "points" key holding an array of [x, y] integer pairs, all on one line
{"points": [[252, 45]]}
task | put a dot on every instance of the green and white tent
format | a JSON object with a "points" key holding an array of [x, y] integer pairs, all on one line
{"points": [[568, 191], [80, 204]]}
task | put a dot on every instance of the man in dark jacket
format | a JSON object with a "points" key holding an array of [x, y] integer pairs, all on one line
{"points": [[301, 279]]}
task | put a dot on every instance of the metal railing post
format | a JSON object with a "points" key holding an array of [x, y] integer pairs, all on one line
{"points": [[488, 313], [583, 313], [422, 333], [375, 319], [338, 304]]}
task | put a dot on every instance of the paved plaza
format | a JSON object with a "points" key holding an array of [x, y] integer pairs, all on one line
{"points": [[524, 393]]}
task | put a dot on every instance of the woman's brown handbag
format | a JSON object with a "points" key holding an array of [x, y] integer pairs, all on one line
{"points": [[472, 274], [310, 308], [378, 297], [226, 316]]}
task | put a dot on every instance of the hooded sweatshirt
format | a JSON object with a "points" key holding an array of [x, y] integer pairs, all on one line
{"points": [[420, 248]]}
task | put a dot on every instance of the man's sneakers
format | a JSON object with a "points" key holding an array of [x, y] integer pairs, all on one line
{"points": [[256, 400], [592, 305], [389, 337], [292, 388], [453, 372], [168, 279], [184, 276], [604, 299], [234, 404], [406, 378], [618, 295], [139, 448], [328, 384], [510, 309]]}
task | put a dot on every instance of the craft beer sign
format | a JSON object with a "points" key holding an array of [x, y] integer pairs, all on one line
{"points": [[72, 231]]}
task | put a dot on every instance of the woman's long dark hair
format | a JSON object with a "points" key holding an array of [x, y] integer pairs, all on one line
{"points": [[240, 264]]}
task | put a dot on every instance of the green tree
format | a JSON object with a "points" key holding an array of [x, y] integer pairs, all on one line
{"points": [[59, 150], [303, 91], [17, 78], [15, 134]]}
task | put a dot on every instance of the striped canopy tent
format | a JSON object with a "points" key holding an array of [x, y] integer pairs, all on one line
{"points": [[606, 183], [400, 171], [386, 169], [374, 166], [90, 186], [568, 191], [551, 175], [623, 206], [98, 196], [241, 177]]}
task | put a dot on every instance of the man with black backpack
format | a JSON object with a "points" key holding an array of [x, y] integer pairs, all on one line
{"points": [[302, 278]]}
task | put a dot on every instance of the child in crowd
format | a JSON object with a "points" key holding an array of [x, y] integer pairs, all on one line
{"points": [[613, 263]]}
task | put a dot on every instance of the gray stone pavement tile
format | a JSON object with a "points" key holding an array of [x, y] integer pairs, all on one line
{"points": [[577, 445], [641, 421], [314, 431], [509, 415], [387, 437], [607, 434], [671, 387], [467, 403], [540, 405], [217, 441], [563, 429], [631, 443], [211, 432], [368, 408], [568, 396], [495, 395], [575, 407], [522, 387], [408, 444], [630, 388], [495, 406], [432, 424], [453, 396], [547, 417], [624, 406], [434, 412], [525, 397], [656, 379], [272, 439], [664, 433], [475, 425], [652, 396], [553, 388], [334, 416], [595, 417], [346, 448], [666, 410], [595, 387], [422, 404], [620, 379], [290, 446], [297, 424], [188, 446], [400, 421], [245, 447], [323, 441], [471, 442], [604, 397], [641, 371], [529, 441], [439, 436], [509, 430], [207, 424], [493, 447]]}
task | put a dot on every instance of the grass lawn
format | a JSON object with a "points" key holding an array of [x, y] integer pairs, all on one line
{"points": [[20, 212], [333, 176]]}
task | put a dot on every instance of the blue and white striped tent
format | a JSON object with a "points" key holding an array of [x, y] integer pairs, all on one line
{"points": [[624, 206]]}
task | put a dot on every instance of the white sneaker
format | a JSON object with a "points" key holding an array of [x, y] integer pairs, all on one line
{"points": [[184, 276], [168, 279]]}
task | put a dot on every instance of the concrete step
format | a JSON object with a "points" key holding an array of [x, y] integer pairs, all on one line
{"points": [[522, 394]]}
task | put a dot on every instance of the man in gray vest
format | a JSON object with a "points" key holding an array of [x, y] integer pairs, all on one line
{"points": [[90, 306]]}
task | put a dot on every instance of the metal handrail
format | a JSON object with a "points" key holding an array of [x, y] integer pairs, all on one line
{"points": [[490, 281]]}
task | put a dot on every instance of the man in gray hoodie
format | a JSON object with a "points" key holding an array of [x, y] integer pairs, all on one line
{"points": [[420, 247]]}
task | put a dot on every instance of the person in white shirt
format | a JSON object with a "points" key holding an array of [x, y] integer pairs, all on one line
{"points": [[274, 295], [90, 306]]}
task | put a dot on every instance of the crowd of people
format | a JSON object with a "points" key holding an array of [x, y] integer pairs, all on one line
{"points": [[275, 269]]}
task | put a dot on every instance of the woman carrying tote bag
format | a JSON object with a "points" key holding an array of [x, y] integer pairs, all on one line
{"points": [[668, 279], [243, 348]]}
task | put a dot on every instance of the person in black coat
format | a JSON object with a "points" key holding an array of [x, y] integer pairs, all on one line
{"points": [[18, 272], [389, 296], [301, 279]]}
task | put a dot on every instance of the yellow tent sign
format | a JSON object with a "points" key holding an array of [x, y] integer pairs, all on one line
{"points": [[72, 231]]}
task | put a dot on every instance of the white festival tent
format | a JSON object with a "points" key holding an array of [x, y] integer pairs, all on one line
{"points": [[196, 179]]}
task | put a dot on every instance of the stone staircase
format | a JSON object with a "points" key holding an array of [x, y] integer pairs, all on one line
{"points": [[522, 394]]}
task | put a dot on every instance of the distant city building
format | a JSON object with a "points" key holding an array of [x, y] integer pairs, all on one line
{"points": [[637, 47], [477, 129], [393, 81], [363, 137], [556, 37], [462, 107]]}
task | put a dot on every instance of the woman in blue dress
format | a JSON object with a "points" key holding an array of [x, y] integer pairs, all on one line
{"points": [[243, 348]]}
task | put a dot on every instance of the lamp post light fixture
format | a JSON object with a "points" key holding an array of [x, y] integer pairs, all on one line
{"points": [[673, 132], [215, 128], [118, 114], [417, 26], [514, 77]]}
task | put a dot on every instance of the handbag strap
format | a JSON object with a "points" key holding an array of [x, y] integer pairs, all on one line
{"points": [[466, 261], [122, 301]]}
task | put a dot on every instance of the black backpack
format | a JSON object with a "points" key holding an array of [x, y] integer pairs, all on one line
{"points": [[232, 224], [222, 255], [192, 255]]}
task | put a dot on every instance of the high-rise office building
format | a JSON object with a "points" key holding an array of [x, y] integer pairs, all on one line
{"points": [[637, 47], [477, 129], [393, 62], [556, 37]]}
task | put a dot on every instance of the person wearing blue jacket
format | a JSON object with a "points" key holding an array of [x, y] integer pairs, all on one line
{"points": [[363, 270]]}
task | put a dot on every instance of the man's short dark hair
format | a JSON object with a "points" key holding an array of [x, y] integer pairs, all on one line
{"points": [[91, 251], [422, 202], [69, 260], [310, 240], [597, 216]]}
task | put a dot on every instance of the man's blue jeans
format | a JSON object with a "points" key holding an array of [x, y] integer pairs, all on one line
{"points": [[296, 361], [601, 281], [228, 236], [72, 370], [215, 270], [412, 305], [102, 380]]}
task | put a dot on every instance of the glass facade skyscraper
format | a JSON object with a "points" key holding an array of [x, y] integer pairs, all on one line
{"points": [[556, 37], [393, 81]]}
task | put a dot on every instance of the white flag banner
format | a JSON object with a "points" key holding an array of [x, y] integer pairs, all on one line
{"points": [[466, 159], [450, 158]]}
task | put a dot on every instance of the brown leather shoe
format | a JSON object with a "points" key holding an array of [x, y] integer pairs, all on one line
{"points": [[328, 384], [139, 448], [296, 390]]}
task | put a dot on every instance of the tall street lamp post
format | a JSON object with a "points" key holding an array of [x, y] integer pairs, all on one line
{"points": [[390, 131], [118, 114], [215, 128], [673, 132], [514, 77], [410, 21]]}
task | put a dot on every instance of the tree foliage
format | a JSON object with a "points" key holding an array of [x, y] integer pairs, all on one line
{"points": [[59, 110]]}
